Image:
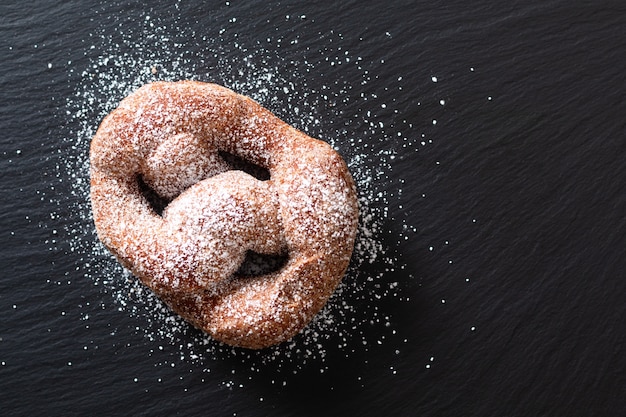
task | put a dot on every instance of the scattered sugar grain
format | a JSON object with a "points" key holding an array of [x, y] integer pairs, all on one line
{"points": [[260, 72]]}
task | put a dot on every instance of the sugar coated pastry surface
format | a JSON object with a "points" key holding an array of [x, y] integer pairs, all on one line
{"points": [[169, 142]]}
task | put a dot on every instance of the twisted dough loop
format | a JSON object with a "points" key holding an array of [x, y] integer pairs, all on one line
{"points": [[169, 135]]}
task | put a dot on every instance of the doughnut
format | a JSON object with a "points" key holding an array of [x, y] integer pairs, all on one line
{"points": [[176, 200]]}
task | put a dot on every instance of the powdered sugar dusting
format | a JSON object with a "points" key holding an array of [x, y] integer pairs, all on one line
{"points": [[120, 64]]}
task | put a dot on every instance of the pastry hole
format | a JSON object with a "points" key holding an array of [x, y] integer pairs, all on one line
{"points": [[256, 264], [156, 202], [240, 164]]}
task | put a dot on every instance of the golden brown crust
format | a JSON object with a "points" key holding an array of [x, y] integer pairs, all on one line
{"points": [[169, 135]]}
